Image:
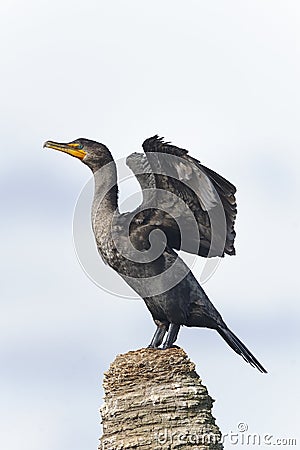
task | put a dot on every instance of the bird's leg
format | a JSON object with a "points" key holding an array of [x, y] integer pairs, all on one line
{"points": [[171, 336], [159, 334]]}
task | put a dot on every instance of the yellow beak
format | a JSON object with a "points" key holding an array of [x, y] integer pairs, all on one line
{"points": [[71, 148]]}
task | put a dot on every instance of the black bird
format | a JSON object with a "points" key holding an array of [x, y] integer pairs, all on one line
{"points": [[185, 206]]}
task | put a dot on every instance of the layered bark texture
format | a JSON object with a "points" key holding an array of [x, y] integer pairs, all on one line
{"points": [[154, 399]]}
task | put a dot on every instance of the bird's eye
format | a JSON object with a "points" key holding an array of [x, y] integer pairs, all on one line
{"points": [[80, 147]]}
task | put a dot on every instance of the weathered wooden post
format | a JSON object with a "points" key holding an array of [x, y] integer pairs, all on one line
{"points": [[155, 400]]}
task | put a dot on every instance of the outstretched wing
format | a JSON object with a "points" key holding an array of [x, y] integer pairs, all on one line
{"points": [[194, 206]]}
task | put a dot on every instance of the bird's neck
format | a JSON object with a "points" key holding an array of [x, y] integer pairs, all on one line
{"points": [[105, 203]]}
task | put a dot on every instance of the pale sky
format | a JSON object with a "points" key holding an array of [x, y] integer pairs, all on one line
{"points": [[218, 78]]}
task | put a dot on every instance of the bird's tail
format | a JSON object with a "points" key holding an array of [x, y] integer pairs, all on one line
{"points": [[237, 345]]}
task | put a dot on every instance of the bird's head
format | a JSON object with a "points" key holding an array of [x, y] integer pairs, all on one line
{"points": [[91, 153]]}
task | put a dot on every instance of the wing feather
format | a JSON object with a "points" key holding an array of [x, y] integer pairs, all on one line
{"points": [[193, 187]]}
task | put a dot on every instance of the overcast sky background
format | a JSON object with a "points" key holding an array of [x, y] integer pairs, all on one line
{"points": [[219, 78]]}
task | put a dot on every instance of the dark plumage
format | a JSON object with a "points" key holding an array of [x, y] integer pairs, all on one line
{"points": [[185, 206], [215, 199]]}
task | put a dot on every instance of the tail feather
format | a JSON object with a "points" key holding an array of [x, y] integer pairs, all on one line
{"points": [[237, 345]]}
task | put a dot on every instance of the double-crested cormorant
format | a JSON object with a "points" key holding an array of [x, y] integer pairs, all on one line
{"points": [[185, 206]]}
